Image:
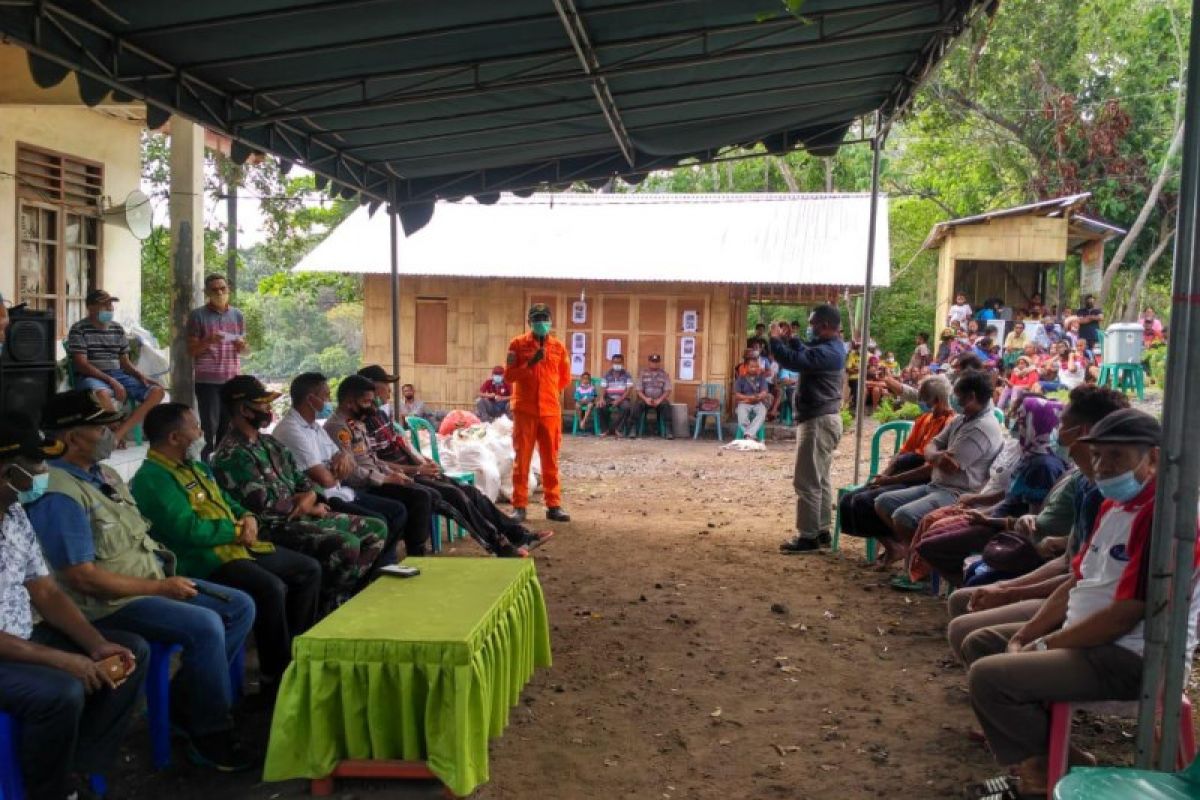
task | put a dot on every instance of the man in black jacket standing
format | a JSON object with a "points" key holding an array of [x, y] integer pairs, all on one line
{"points": [[820, 363]]}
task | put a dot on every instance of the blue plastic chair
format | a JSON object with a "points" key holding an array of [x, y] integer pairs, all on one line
{"points": [[12, 786], [158, 694], [901, 428], [710, 390]]}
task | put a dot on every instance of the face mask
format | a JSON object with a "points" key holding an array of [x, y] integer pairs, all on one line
{"points": [[195, 450], [956, 404], [260, 419], [103, 448], [1058, 448], [106, 316], [808, 332], [363, 412], [497, 379], [618, 367], [925, 407], [1122, 488], [38, 488], [541, 328]]}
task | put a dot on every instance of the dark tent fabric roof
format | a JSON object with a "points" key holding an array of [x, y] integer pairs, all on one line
{"points": [[408, 102]]}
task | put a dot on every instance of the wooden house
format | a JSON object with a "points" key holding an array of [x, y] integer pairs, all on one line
{"points": [[1013, 253], [637, 274]]}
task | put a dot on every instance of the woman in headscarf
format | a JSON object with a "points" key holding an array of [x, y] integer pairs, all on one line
{"points": [[947, 542]]}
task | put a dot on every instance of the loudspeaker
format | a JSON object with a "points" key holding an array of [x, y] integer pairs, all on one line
{"points": [[30, 338], [27, 369]]}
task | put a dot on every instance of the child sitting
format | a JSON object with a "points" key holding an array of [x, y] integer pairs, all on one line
{"points": [[585, 400]]}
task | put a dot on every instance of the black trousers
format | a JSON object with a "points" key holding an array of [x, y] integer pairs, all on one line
{"points": [[214, 421], [618, 415], [662, 416], [285, 586], [858, 508], [419, 501], [390, 511], [488, 525], [64, 730]]}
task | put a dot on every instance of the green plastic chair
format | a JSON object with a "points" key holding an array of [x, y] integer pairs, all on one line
{"points": [[1114, 783], [786, 417], [738, 433], [708, 390], [901, 429], [452, 529], [999, 416], [129, 406], [595, 411], [641, 424], [1124, 377]]}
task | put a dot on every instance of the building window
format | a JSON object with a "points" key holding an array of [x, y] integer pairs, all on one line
{"points": [[59, 232], [429, 343]]}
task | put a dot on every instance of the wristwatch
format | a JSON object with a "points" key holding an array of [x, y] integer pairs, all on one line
{"points": [[1039, 644]]}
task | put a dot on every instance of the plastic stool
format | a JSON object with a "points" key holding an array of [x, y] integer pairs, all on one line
{"points": [[1060, 740], [1125, 377], [12, 787], [158, 696]]}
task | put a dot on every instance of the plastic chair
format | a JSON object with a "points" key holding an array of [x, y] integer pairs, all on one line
{"points": [[641, 423], [999, 416], [452, 529], [710, 390], [595, 411], [901, 428], [786, 415], [12, 785], [1107, 783], [158, 696]]}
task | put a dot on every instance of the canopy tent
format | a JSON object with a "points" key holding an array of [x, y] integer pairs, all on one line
{"points": [[783, 239], [409, 102]]}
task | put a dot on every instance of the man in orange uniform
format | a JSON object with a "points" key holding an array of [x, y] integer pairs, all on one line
{"points": [[538, 369]]}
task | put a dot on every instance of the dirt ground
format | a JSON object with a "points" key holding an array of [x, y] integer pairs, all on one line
{"points": [[692, 660]]}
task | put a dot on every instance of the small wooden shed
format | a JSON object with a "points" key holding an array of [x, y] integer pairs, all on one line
{"points": [[632, 273], [1011, 254]]}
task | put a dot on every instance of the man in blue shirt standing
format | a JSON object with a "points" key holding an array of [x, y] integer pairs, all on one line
{"points": [[821, 364]]}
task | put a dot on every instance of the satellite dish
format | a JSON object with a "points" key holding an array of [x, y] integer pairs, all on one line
{"points": [[134, 215]]}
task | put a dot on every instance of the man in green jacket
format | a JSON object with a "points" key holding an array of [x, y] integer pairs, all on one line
{"points": [[215, 538]]}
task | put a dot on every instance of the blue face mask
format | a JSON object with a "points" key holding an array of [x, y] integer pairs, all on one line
{"points": [[328, 409], [1058, 448], [955, 404], [925, 407], [1122, 488], [106, 316], [40, 483]]}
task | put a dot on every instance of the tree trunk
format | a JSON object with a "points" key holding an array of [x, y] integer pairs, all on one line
{"points": [[1135, 230], [785, 170], [1165, 239]]}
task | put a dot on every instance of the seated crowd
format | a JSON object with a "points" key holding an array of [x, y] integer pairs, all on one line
{"points": [[1041, 526], [283, 524]]}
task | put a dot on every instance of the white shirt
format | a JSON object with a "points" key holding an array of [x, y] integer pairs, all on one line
{"points": [[21, 561], [958, 314], [311, 446]]}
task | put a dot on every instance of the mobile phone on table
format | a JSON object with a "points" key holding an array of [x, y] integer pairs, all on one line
{"points": [[400, 571]]}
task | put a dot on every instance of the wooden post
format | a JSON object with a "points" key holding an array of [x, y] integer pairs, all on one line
{"points": [[186, 207]]}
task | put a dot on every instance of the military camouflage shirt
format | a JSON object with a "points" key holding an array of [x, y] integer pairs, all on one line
{"points": [[260, 475]]}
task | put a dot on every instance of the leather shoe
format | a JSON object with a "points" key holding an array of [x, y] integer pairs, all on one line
{"points": [[556, 514], [518, 515]]}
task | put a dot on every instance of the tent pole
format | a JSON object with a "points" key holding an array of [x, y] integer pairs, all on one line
{"points": [[860, 406], [1174, 531], [1062, 275], [394, 218]]}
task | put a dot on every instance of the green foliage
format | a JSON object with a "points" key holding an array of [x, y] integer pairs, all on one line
{"points": [[1061, 395], [847, 419], [909, 411], [887, 412], [1155, 360], [327, 288]]}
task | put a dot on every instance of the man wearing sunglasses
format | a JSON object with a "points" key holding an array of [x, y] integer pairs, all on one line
{"points": [[216, 339]]}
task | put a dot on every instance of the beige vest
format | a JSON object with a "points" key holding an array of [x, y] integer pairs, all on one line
{"points": [[120, 535]]}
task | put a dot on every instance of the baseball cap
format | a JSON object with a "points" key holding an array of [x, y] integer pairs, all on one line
{"points": [[78, 407], [378, 374], [20, 437], [98, 297], [497, 370], [1126, 426], [655, 357], [246, 387], [539, 309]]}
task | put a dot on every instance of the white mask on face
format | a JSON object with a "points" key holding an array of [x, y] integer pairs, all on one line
{"points": [[195, 449]]}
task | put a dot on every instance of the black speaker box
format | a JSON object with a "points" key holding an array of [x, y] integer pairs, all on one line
{"points": [[27, 369]]}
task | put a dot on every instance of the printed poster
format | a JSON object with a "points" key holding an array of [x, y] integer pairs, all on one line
{"points": [[687, 347], [577, 367], [611, 348], [579, 312], [691, 321], [687, 369], [578, 342]]}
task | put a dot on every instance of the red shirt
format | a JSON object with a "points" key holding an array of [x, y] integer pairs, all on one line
{"points": [[501, 389]]}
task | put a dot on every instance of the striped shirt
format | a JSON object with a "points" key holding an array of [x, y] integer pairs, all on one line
{"points": [[103, 347], [220, 361], [654, 382]]}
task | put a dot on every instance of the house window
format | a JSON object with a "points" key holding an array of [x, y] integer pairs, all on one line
{"points": [[59, 231], [429, 343]]}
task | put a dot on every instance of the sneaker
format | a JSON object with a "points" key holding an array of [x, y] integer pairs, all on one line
{"points": [[799, 545], [536, 539], [220, 752], [825, 539]]}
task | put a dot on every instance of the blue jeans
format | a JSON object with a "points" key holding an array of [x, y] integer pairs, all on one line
{"points": [[135, 389], [907, 506], [63, 729], [211, 632]]}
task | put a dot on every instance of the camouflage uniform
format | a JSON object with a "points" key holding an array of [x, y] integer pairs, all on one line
{"points": [[263, 477]]}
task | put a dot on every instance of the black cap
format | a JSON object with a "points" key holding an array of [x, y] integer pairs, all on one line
{"points": [[655, 357], [20, 437], [98, 297], [246, 387], [378, 374], [1126, 426], [76, 408], [539, 309]]}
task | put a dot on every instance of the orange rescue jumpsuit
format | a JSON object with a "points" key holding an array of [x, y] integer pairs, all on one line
{"points": [[537, 413]]}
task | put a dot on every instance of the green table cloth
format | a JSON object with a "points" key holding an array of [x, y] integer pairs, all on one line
{"points": [[422, 668]]}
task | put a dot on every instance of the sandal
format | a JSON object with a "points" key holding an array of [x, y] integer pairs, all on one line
{"points": [[993, 788], [538, 538], [902, 583]]}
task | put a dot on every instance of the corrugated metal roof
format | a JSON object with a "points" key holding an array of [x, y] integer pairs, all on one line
{"points": [[768, 239], [1044, 208]]}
